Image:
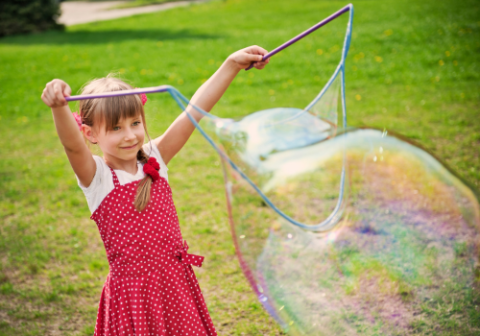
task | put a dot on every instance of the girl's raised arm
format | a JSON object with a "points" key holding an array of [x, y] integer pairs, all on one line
{"points": [[72, 140], [206, 97]]}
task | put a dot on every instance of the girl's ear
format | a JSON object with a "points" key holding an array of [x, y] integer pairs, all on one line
{"points": [[89, 134]]}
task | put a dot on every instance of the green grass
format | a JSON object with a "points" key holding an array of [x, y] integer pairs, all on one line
{"points": [[138, 3], [413, 68]]}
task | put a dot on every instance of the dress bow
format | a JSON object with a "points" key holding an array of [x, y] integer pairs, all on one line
{"points": [[180, 251]]}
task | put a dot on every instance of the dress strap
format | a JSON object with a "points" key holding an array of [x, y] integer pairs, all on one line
{"points": [[116, 183]]}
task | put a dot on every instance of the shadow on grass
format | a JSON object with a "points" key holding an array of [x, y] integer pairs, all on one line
{"points": [[104, 36]]}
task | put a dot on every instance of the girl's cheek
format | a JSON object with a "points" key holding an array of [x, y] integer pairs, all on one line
{"points": [[140, 134], [118, 136]]}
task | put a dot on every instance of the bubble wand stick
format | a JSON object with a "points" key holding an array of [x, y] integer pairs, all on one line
{"points": [[305, 33], [166, 88]]}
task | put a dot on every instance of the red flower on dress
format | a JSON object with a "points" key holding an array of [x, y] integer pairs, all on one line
{"points": [[151, 168], [143, 96], [78, 119]]}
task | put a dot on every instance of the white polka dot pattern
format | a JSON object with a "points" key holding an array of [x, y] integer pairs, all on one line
{"points": [[151, 289]]}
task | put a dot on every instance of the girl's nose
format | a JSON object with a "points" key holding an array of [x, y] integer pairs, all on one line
{"points": [[129, 134]]}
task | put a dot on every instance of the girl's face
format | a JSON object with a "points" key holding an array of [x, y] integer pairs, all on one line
{"points": [[123, 141]]}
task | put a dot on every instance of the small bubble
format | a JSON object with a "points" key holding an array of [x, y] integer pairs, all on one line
{"points": [[242, 236]]}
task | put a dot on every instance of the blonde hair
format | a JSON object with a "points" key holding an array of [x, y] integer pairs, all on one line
{"points": [[109, 111]]}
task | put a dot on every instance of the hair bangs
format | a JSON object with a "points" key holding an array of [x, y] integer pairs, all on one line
{"points": [[109, 111]]}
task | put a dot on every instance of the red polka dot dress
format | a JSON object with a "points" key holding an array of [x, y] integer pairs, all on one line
{"points": [[151, 288]]}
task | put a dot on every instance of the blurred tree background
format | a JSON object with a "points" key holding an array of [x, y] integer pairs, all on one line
{"points": [[27, 16]]}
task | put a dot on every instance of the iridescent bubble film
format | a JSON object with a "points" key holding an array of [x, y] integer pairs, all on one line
{"points": [[404, 243], [345, 231]]}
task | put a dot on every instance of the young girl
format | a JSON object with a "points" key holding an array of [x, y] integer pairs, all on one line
{"points": [[151, 288]]}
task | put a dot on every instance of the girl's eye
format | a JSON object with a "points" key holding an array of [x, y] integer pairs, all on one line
{"points": [[136, 123], [116, 128]]}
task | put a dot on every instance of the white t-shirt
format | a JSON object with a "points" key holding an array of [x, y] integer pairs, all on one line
{"points": [[102, 182]]}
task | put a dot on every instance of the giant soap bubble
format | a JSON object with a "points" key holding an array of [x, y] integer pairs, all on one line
{"points": [[348, 231], [345, 231], [400, 251]]}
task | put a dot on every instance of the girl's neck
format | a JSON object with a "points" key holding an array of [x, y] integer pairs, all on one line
{"points": [[129, 166]]}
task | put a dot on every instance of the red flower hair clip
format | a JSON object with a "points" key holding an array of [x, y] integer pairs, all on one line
{"points": [[143, 96], [78, 119], [151, 168]]}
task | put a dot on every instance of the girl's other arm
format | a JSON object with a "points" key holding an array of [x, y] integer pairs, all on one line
{"points": [[205, 98], [71, 138]]}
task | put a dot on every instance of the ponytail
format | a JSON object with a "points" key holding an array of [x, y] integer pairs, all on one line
{"points": [[144, 186]]}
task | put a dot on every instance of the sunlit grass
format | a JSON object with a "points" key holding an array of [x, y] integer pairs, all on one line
{"points": [[138, 3]]}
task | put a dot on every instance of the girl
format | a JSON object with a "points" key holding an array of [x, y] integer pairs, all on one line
{"points": [[151, 288]]}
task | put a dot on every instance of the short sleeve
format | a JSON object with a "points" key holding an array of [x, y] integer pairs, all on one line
{"points": [[152, 150], [100, 186]]}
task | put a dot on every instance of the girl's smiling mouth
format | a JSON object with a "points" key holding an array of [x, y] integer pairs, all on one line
{"points": [[130, 147]]}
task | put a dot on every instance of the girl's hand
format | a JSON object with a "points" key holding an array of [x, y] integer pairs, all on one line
{"points": [[244, 57], [55, 92]]}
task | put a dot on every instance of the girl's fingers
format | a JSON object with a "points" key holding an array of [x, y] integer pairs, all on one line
{"points": [[45, 99], [257, 50], [55, 92], [253, 58], [49, 97], [67, 91], [58, 91], [261, 65]]}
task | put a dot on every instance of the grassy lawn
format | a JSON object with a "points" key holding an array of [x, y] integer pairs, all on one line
{"points": [[137, 3], [413, 68]]}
